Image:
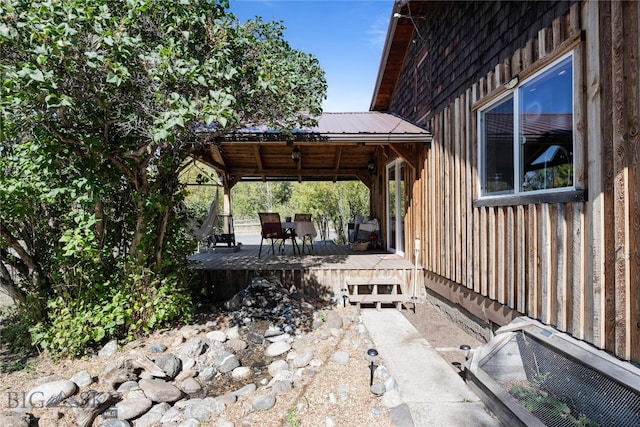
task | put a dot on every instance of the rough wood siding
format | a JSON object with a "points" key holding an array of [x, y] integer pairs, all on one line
{"points": [[571, 265]]}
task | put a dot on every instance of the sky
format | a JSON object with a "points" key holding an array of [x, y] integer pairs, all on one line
{"points": [[347, 37]]}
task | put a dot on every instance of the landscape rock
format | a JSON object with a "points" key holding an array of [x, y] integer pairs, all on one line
{"points": [[190, 386], [194, 347], [169, 363], [51, 394], [334, 320], [160, 391], [241, 373], [13, 419], [157, 348], [341, 357], [264, 402], [116, 423], [277, 348], [128, 409], [303, 359], [82, 379], [109, 349]]}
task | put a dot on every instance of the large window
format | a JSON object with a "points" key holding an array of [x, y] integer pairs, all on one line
{"points": [[527, 136]]}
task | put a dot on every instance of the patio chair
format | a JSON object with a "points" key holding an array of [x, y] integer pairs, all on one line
{"points": [[271, 228], [304, 217]]}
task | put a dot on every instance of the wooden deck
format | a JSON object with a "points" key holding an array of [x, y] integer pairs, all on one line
{"points": [[320, 274]]}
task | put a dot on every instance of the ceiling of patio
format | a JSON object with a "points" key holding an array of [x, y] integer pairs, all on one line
{"points": [[339, 148]]}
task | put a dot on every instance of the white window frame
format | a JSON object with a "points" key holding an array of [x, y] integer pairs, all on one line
{"points": [[518, 149]]}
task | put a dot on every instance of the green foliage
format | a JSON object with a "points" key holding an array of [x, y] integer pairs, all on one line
{"points": [[249, 198], [293, 417], [542, 403], [126, 311], [101, 105], [14, 334]]}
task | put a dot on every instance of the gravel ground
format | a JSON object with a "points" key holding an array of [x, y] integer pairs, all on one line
{"points": [[317, 402]]}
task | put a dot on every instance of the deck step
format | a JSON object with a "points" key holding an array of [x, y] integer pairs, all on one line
{"points": [[375, 290]]}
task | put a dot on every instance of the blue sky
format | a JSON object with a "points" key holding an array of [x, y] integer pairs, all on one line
{"points": [[347, 37]]}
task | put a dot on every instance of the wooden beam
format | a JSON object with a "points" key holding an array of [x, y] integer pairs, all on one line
{"points": [[336, 164], [408, 156]]}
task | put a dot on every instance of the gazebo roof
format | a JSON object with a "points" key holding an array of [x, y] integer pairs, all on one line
{"points": [[340, 147]]}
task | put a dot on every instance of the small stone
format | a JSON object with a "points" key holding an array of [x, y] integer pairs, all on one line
{"points": [[378, 389], [126, 386], [190, 386], [329, 422], [219, 336], [228, 363], [343, 392], [391, 399], [246, 390], [14, 419], [272, 331], [109, 349], [157, 348], [82, 379], [128, 409], [208, 373], [341, 357], [281, 387], [224, 423], [241, 373], [236, 344], [191, 373], [160, 391], [277, 366], [194, 347], [303, 359], [334, 320], [116, 423], [169, 363], [264, 402], [277, 348], [233, 333]]}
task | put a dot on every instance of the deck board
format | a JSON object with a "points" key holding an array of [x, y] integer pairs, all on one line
{"points": [[321, 273]]}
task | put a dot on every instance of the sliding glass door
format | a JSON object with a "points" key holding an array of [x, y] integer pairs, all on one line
{"points": [[395, 207]]}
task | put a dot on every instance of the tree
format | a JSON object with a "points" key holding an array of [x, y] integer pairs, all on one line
{"points": [[331, 204], [113, 97]]}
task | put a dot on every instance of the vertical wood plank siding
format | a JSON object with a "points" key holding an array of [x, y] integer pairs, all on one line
{"points": [[571, 265]]}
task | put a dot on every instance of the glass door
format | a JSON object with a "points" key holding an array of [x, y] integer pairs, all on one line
{"points": [[395, 207]]}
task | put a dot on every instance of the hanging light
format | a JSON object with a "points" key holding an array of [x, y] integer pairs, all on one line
{"points": [[371, 165], [295, 155]]}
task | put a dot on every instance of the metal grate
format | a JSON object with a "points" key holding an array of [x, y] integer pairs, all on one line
{"points": [[561, 390]]}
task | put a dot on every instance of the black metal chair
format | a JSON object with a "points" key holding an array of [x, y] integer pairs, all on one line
{"points": [[271, 228]]}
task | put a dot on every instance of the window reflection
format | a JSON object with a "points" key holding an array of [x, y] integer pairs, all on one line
{"points": [[498, 155], [546, 129]]}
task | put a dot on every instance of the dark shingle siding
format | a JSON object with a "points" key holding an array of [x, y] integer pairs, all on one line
{"points": [[465, 41]]}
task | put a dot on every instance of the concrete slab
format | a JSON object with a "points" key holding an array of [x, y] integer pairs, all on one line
{"points": [[435, 394]]}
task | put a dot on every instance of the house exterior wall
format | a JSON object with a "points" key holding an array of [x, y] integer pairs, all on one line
{"points": [[569, 262]]}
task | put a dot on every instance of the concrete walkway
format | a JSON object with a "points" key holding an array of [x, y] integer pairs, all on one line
{"points": [[434, 393]]}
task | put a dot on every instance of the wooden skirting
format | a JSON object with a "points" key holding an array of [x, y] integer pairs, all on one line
{"points": [[482, 307], [321, 274]]}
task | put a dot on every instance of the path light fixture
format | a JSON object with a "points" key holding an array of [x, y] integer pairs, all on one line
{"points": [[295, 155], [465, 350], [372, 356]]}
